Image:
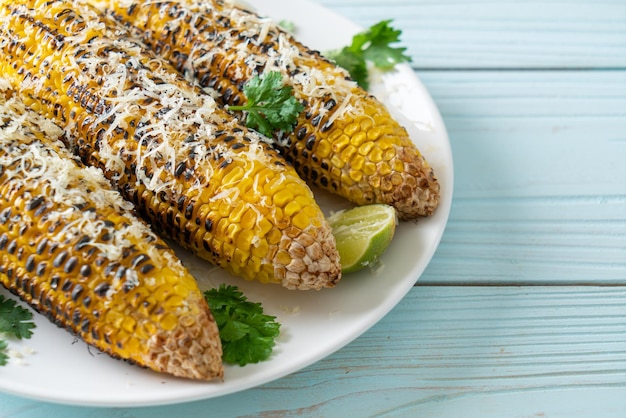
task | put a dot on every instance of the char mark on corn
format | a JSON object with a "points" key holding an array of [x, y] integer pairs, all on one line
{"points": [[191, 169], [345, 141], [72, 248]]}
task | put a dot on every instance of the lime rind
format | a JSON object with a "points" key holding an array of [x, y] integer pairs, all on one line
{"points": [[363, 234]]}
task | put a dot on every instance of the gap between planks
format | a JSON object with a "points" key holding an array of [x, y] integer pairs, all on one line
{"points": [[512, 283], [516, 69]]}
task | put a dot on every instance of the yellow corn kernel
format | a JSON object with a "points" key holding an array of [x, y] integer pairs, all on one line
{"points": [[240, 257], [259, 248], [351, 129], [376, 155], [237, 212], [129, 323], [340, 143], [283, 257], [234, 175], [173, 300], [356, 175], [244, 241], [359, 139], [299, 220], [366, 123], [292, 207], [115, 318], [283, 197], [384, 168], [168, 321], [369, 168], [365, 149], [337, 165], [323, 149], [249, 220]]}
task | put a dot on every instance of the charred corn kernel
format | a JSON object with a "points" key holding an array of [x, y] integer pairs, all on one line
{"points": [[72, 248], [167, 147], [223, 46]]}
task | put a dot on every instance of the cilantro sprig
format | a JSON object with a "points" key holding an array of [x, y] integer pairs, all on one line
{"points": [[4, 358], [248, 335], [271, 105], [15, 322], [372, 45]]}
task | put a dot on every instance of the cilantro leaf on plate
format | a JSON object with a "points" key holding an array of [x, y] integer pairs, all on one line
{"points": [[15, 321], [4, 357], [248, 335], [372, 45]]}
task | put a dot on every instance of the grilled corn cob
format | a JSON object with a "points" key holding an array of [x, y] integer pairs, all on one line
{"points": [[192, 171], [345, 141], [71, 248]]}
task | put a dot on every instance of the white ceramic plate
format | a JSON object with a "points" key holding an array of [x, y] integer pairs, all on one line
{"points": [[54, 366]]}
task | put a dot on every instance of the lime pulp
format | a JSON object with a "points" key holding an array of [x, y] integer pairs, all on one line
{"points": [[363, 234]]}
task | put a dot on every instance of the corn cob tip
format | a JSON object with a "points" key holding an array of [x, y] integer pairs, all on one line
{"points": [[313, 261], [191, 350], [418, 193]]}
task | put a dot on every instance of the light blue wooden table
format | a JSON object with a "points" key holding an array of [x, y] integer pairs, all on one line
{"points": [[522, 312]]}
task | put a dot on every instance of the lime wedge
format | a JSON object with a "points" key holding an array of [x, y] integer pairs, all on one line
{"points": [[363, 234]]}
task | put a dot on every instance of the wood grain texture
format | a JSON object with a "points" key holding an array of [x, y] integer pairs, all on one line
{"points": [[453, 34], [445, 352], [540, 184]]}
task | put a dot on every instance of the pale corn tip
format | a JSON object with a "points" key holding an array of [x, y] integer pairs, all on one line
{"points": [[418, 192], [190, 350], [313, 261]]}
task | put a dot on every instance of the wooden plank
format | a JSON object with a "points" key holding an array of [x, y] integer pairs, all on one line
{"points": [[523, 133], [540, 178], [445, 351], [501, 34]]}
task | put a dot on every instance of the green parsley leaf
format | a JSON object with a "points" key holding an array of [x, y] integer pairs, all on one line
{"points": [[287, 25], [15, 321], [4, 358], [271, 105], [354, 63], [248, 335], [372, 45], [375, 45]]}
